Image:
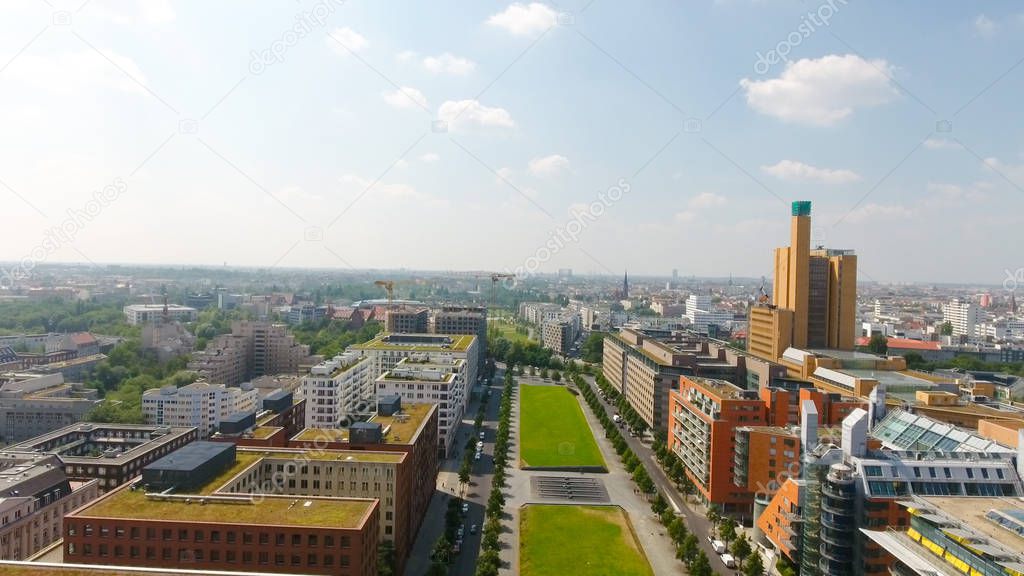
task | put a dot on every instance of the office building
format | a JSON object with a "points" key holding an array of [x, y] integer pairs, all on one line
{"points": [[32, 404], [420, 379], [307, 314], [138, 314], [453, 320], [962, 315], [185, 512], [339, 390], [198, 405], [387, 350], [112, 454], [644, 364], [407, 319], [957, 535], [704, 415], [559, 335], [813, 303], [540, 312], [36, 496]]}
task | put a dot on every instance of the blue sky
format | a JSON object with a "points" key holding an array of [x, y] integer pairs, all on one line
{"points": [[302, 133]]}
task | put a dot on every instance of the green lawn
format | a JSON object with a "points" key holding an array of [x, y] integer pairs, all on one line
{"points": [[553, 431], [578, 540]]}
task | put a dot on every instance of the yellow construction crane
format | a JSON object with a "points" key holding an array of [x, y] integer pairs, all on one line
{"points": [[388, 285]]}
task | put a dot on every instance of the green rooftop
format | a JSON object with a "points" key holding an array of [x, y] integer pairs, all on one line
{"points": [[272, 510], [459, 343]]}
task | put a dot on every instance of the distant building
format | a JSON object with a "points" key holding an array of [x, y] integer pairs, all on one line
{"points": [[199, 405], [454, 319], [407, 320], [138, 314], [36, 496], [306, 314], [253, 349], [962, 315], [31, 404], [169, 340], [560, 335]]}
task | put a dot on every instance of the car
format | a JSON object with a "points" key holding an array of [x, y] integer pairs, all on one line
{"points": [[728, 560], [477, 457], [465, 507], [718, 546], [472, 529], [481, 435], [462, 530], [480, 444]]}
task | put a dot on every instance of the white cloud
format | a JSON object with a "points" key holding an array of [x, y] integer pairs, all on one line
{"points": [[384, 190], [429, 158], [405, 97], [548, 165], [71, 72], [684, 216], [822, 91], [504, 175], [405, 56], [985, 26], [878, 212], [706, 200], [796, 170], [466, 113], [342, 38], [1012, 172], [448, 63], [944, 193], [939, 144], [525, 19], [401, 164]]}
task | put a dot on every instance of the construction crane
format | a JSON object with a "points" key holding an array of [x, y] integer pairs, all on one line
{"points": [[388, 285], [494, 284]]}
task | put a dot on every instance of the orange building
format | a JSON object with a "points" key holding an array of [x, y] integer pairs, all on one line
{"points": [[703, 416], [783, 406], [781, 520], [765, 457]]}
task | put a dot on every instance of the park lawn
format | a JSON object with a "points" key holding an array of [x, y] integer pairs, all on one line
{"points": [[578, 540], [553, 431]]}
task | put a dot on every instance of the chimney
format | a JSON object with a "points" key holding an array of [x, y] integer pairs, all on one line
{"points": [[855, 434], [808, 426]]}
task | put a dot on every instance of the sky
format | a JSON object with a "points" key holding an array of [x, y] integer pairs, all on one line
{"points": [[523, 137]]}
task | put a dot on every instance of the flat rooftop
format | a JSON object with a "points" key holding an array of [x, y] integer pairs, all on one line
{"points": [[403, 427], [847, 355], [722, 388], [971, 512], [271, 510], [419, 342], [64, 440]]}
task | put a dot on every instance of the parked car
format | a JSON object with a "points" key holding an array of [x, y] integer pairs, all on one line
{"points": [[465, 508], [472, 529], [477, 457], [728, 560], [718, 546], [481, 435], [479, 444]]}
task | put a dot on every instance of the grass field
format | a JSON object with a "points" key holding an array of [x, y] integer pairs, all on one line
{"points": [[553, 431], [578, 540]]}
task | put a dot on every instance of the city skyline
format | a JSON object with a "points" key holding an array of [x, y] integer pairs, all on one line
{"points": [[307, 135]]}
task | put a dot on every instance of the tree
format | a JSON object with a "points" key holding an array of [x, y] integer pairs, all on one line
{"points": [[437, 569], [442, 551], [727, 530], [464, 472], [659, 505], [544, 373], [754, 566], [740, 548], [700, 565], [878, 344], [386, 558], [946, 329], [556, 376], [688, 548]]}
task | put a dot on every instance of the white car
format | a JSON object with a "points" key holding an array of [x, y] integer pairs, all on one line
{"points": [[728, 560], [477, 457], [479, 444], [465, 507]]}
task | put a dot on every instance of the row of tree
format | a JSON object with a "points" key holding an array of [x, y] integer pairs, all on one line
{"points": [[489, 560]]}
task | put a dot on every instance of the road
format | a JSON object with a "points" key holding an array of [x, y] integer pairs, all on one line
{"points": [[478, 492]]}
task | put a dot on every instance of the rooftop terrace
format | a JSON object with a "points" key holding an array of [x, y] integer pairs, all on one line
{"points": [[419, 342]]}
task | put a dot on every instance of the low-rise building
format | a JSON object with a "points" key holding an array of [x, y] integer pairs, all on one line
{"points": [[198, 405], [138, 314], [36, 495], [112, 454], [32, 404]]}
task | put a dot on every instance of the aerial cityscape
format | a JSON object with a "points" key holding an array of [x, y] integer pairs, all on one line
{"points": [[353, 288]]}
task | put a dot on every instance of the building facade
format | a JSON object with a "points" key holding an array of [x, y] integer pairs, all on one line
{"points": [[421, 379], [338, 390], [138, 314], [32, 404], [198, 405]]}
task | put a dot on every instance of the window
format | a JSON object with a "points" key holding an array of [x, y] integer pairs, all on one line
{"points": [[246, 537], [313, 539], [984, 473], [296, 560], [230, 555], [167, 534], [328, 541], [311, 560], [231, 537], [279, 539], [279, 559], [264, 558], [215, 555], [247, 557], [346, 541], [344, 560], [296, 540], [182, 534], [215, 536], [328, 560], [264, 538]]}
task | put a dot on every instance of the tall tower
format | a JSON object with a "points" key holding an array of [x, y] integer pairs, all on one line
{"points": [[813, 299], [625, 285]]}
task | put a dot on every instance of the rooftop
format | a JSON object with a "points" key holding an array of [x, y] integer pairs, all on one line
{"points": [[271, 510], [722, 388], [419, 342], [65, 440], [400, 428], [972, 513]]}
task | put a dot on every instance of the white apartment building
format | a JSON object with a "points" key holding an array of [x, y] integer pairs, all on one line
{"points": [[337, 389], [137, 314], [387, 350], [963, 315], [701, 318], [200, 404], [698, 302], [424, 378]]}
